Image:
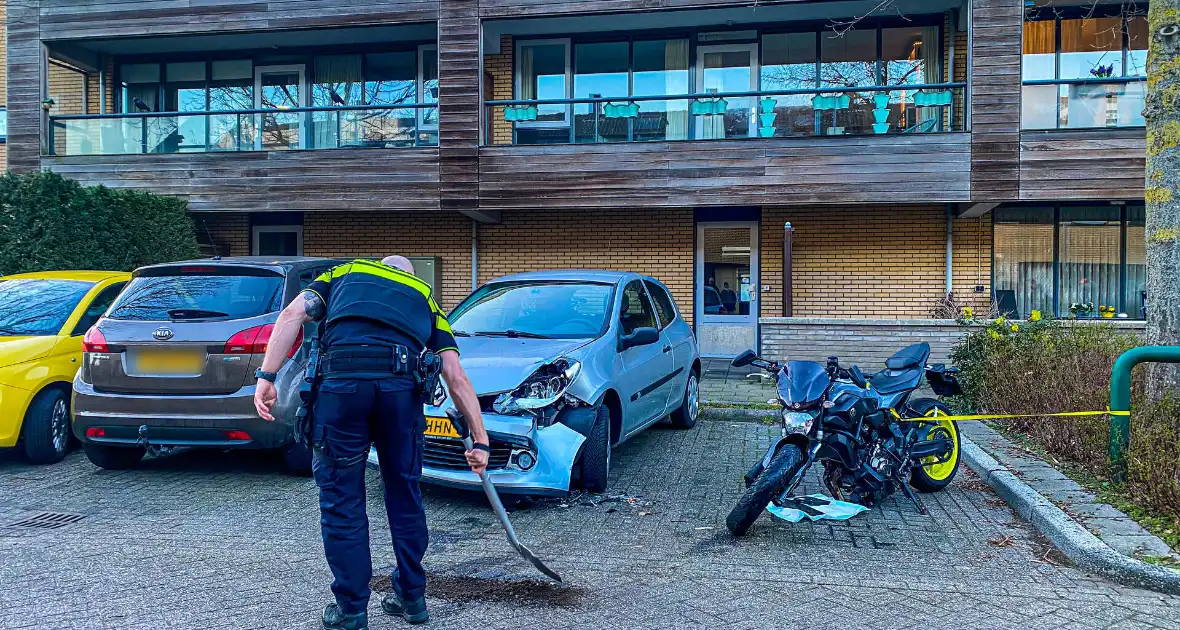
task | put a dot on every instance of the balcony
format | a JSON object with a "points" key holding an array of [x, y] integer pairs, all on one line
{"points": [[860, 111], [1083, 103], [272, 129]]}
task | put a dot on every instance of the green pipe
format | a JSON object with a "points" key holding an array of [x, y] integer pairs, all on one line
{"points": [[1120, 399]]}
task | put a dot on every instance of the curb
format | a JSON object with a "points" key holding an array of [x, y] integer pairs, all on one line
{"points": [[738, 414], [1076, 542]]}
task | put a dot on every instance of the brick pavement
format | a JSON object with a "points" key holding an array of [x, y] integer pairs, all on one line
{"points": [[227, 541]]}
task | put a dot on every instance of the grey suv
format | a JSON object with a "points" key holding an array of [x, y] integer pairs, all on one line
{"points": [[172, 362]]}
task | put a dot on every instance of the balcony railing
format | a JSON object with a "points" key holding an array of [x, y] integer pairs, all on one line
{"points": [[868, 110], [364, 126], [1083, 103]]}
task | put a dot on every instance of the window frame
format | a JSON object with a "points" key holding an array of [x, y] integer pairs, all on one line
{"points": [[652, 287], [1124, 222], [258, 230], [518, 80], [420, 97], [116, 288], [646, 298]]}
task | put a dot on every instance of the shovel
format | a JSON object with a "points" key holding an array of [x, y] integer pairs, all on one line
{"points": [[460, 425]]}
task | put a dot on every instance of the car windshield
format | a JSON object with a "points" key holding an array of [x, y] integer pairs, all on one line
{"points": [[38, 307], [198, 297], [539, 309]]}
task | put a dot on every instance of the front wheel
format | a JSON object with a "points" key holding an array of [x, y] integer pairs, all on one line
{"points": [[46, 432], [595, 462], [685, 417], [932, 473], [769, 484]]}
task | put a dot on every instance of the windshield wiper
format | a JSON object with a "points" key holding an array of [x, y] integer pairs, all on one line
{"points": [[460, 333], [194, 313], [511, 333]]}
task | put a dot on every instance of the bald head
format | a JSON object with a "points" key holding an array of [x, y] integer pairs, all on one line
{"points": [[401, 262]]}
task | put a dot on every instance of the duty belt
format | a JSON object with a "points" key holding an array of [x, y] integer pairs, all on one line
{"points": [[369, 361]]}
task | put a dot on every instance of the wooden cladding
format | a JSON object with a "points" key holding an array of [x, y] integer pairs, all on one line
{"points": [[898, 168], [88, 19], [517, 8], [995, 98], [1097, 164], [24, 86], [459, 103], [340, 179]]}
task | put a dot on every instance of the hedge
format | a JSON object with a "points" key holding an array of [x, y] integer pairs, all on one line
{"points": [[50, 223]]}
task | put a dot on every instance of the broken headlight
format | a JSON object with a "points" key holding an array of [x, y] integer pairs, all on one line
{"points": [[546, 386]]}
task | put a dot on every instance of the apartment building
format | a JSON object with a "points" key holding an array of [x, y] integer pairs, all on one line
{"points": [[808, 176]]}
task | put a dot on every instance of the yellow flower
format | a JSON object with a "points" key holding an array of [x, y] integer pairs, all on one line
{"points": [[1015, 327], [1000, 321], [994, 334], [1034, 316], [968, 312]]}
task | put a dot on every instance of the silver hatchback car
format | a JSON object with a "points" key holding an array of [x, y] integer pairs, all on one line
{"points": [[566, 364], [172, 362]]}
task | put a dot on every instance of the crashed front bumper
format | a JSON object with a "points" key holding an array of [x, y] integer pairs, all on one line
{"points": [[555, 449]]}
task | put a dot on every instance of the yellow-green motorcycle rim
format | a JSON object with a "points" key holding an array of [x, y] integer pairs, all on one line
{"points": [[936, 470]]}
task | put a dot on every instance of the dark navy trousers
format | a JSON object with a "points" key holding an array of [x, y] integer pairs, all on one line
{"points": [[350, 414]]}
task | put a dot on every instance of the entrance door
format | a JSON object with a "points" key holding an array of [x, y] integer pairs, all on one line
{"points": [[727, 287], [728, 68], [280, 88]]}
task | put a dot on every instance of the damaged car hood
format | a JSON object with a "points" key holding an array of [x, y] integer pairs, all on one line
{"points": [[499, 364]]}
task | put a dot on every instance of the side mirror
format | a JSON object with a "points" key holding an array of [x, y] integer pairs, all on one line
{"points": [[858, 377], [745, 358], [640, 337]]}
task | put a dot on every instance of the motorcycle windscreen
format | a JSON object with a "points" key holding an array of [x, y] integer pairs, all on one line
{"points": [[804, 385]]}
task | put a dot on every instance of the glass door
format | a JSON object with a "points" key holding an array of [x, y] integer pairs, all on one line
{"points": [[280, 88], [728, 68], [727, 287]]}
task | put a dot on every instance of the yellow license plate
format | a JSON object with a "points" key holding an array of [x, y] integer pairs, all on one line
{"points": [[169, 362], [440, 427]]}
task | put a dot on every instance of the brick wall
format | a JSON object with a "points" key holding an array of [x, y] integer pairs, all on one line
{"points": [[658, 243], [500, 67], [226, 234], [354, 235], [972, 261], [867, 343], [858, 261]]}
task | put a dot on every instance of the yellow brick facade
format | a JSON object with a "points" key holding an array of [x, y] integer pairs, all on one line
{"points": [[499, 68]]}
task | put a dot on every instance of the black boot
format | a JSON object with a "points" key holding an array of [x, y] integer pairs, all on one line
{"points": [[335, 619], [412, 612]]}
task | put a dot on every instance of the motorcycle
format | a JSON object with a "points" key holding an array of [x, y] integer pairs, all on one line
{"points": [[871, 436]]}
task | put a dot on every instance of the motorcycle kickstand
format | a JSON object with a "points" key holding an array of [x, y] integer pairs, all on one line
{"points": [[909, 492]]}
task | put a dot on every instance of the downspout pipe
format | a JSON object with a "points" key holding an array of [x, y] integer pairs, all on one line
{"points": [[474, 254]]}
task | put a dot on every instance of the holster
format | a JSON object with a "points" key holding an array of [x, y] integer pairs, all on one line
{"points": [[307, 392], [428, 377]]}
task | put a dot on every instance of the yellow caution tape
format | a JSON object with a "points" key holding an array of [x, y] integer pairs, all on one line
{"points": [[1008, 416]]}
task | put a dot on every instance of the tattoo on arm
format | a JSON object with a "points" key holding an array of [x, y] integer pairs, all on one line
{"points": [[314, 306]]}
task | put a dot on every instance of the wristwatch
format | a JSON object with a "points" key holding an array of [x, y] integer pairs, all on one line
{"points": [[481, 447], [266, 376]]}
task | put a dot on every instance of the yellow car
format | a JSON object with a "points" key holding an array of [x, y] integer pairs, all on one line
{"points": [[43, 317]]}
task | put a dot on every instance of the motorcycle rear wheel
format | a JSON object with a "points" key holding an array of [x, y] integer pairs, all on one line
{"points": [[933, 476], [773, 480]]}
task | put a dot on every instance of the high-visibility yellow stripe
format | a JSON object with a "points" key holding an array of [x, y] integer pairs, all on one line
{"points": [[384, 271]]}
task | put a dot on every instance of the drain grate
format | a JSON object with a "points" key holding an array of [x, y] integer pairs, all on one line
{"points": [[49, 520]]}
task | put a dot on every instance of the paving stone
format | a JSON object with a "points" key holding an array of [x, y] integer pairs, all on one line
{"points": [[207, 540]]}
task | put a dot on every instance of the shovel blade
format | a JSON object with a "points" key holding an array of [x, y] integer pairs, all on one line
{"points": [[536, 562]]}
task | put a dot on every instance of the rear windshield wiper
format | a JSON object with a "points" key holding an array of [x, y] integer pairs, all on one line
{"points": [[460, 333], [194, 313], [512, 333]]}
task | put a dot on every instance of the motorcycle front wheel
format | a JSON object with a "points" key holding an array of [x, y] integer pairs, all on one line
{"points": [[773, 480]]}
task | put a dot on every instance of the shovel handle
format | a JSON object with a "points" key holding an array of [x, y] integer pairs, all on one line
{"points": [[460, 425]]}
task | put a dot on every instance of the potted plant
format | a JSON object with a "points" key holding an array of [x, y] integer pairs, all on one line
{"points": [[1107, 312], [1081, 309], [1102, 72]]}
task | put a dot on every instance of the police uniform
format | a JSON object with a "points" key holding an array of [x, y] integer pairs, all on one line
{"points": [[378, 320]]}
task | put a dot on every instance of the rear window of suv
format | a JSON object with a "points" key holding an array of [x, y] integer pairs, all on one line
{"points": [[198, 297]]}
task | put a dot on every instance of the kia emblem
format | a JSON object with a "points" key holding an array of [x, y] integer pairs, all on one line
{"points": [[162, 334]]}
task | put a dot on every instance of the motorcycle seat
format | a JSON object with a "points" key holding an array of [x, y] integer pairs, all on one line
{"points": [[909, 357], [892, 381]]}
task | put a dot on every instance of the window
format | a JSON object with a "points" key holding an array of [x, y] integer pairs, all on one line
{"points": [[3, 124], [38, 307], [636, 311], [173, 298], [278, 240], [1049, 258], [97, 307], [1083, 69], [663, 302], [541, 75], [231, 88], [788, 63], [601, 70], [660, 67], [428, 86], [556, 310]]}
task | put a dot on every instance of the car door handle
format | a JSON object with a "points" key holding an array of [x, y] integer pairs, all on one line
{"points": [[667, 348]]}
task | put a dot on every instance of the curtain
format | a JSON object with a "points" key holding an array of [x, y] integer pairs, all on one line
{"points": [[930, 72], [339, 81], [676, 63], [528, 82]]}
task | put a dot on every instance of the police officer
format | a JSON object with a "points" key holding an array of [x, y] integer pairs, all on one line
{"points": [[377, 319]]}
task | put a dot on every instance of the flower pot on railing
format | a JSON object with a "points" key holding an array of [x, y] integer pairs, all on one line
{"points": [[768, 104], [767, 120], [520, 113], [881, 127], [881, 101], [937, 98], [830, 101], [880, 115], [713, 107], [621, 110], [766, 132]]}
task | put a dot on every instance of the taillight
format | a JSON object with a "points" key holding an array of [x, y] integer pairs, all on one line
{"points": [[94, 341], [96, 432], [254, 341], [237, 436]]}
